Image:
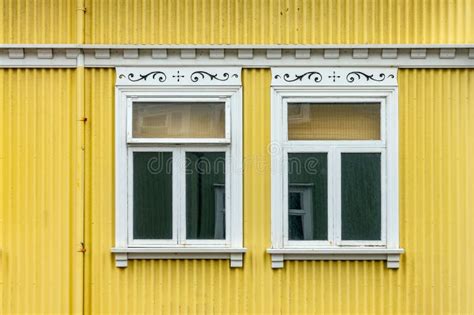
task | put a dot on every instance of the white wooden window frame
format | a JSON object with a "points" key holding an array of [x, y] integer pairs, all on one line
{"points": [[185, 90], [327, 90]]}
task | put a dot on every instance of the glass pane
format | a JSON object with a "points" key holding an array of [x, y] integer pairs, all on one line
{"points": [[294, 200], [205, 195], [295, 223], [361, 196], [317, 121], [179, 120], [307, 196], [152, 195]]}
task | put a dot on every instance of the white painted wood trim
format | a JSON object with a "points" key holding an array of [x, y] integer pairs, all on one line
{"points": [[178, 76], [197, 250], [322, 250], [249, 56], [234, 255], [146, 85], [303, 85], [392, 256], [121, 170], [294, 76], [277, 169]]}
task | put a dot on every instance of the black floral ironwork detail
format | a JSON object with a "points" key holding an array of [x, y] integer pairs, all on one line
{"points": [[161, 76], [317, 76], [199, 75], [357, 75]]}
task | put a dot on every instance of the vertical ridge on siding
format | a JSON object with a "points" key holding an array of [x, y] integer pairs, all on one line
{"points": [[37, 122], [436, 124], [280, 22]]}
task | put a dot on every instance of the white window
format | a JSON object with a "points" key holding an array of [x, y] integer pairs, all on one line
{"points": [[334, 165], [178, 164]]}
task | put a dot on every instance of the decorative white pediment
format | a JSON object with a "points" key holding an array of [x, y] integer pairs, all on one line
{"points": [[334, 76], [179, 76]]}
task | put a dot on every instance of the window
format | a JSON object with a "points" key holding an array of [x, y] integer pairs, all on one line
{"points": [[178, 164], [334, 165]]}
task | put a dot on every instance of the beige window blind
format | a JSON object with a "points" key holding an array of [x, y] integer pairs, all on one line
{"points": [[341, 121], [178, 120]]}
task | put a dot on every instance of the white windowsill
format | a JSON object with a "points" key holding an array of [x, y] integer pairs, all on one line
{"points": [[391, 255], [122, 255]]}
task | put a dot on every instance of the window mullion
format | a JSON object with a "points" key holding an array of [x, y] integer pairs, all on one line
{"points": [[336, 194], [180, 201]]}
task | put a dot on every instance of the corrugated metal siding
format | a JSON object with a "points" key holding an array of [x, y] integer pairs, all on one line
{"points": [[37, 22], [436, 158], [240, 21], [37, 138], [279, 21], [436, 184]]}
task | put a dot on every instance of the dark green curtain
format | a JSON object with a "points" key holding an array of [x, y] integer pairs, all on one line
{"points": [[205, 172], [361, 196], [152, 195]]}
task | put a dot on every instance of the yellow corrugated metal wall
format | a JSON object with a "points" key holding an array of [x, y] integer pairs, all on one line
{"points": [[436, 128], [38, 21], [38, 258], [41, 172], [240, 21], [281, 21]]}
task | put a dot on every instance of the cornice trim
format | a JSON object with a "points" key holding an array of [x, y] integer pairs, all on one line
{"points": [[247, 56]]}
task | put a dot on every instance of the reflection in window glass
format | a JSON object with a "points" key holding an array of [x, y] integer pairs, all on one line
{"points": [[320, 121], [205, 195], [307, 196], [178, 120], [152, 195], [361, 196]]}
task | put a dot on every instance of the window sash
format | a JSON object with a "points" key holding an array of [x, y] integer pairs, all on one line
{"points": [[304, 243], [334, 197], [334, 149], [194, 99], [179, 197], [338, 197]]}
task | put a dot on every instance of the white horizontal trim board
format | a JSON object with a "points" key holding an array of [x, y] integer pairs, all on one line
{"points": [[392, 256], [248, 56], [235, 255], [336, 251]]}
